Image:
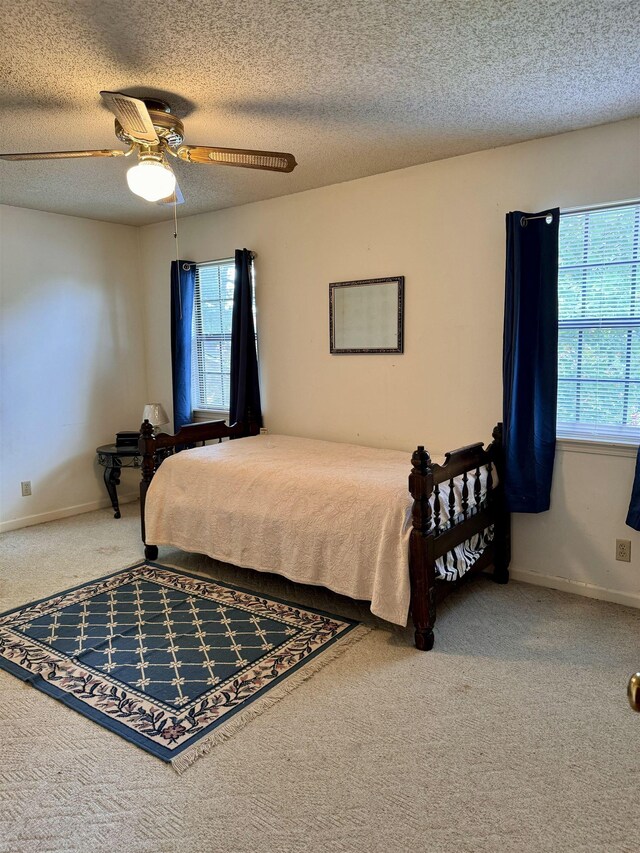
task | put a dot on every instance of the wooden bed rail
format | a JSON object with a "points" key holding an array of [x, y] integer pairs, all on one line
{"points": [[155, 448], [431, 537]]}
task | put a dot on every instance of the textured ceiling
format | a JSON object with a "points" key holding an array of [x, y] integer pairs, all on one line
{"points": [[351, 88]]}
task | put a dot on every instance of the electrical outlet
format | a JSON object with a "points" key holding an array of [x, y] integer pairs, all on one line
{"points": [[25, 485], [623, 550]]}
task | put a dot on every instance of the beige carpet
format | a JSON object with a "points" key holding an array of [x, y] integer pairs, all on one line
{"points": [[514, 734]]}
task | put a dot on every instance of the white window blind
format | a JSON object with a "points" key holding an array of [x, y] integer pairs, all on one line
{"points": [[211, 349], [211, 337], [599, 324]]}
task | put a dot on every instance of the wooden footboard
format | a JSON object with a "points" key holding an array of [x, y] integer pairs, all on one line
{"points": [[155, 448], [432, 537]]}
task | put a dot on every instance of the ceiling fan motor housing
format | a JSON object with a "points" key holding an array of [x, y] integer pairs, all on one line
{"points": [[167, 126]]}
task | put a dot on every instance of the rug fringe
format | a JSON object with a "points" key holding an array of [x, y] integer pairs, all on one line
{"points": [[227, 730]]}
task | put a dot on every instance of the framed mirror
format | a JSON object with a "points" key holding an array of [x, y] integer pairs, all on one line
{"points": [[366, 316]]}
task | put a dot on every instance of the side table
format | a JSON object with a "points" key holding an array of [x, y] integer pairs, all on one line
{"points": [[114, 458]]}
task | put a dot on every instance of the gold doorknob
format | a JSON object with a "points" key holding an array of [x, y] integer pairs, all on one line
{"points": [[633, 691]]}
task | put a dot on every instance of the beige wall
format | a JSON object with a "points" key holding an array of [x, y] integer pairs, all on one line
{"points": [[71, 359], [441, 225]]}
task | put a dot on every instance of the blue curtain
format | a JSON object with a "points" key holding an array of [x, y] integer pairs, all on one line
{"points": [[633, 516], [183, 278], [530, 359], [244, 388]]}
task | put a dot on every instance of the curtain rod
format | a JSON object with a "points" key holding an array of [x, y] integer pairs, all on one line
{"points": [[253, 256], [525, 219]]}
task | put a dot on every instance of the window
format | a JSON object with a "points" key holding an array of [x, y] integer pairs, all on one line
{"points": [[599, 328], [211, 340]]}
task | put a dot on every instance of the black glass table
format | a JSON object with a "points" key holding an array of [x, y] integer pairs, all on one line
{"points": [[114, 458]]}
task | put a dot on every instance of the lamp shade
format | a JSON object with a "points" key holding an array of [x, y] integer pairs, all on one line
{"points": [[151, 180], [155, 414]]}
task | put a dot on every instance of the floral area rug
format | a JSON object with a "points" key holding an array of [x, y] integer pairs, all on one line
{"points": [[169, 660]]}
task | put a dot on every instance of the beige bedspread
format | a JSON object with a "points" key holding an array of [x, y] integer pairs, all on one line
{"points": [[317, 512]]}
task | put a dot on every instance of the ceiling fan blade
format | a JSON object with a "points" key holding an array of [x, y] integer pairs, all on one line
{"points": [[64, 155], [271, 161], [133, 115], [176, 197]]}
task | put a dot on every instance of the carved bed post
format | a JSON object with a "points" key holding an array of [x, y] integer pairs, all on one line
{"points": [[421, 553], [503, 517], [147, 447]]}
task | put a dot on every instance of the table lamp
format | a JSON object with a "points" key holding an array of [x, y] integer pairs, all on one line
{"points": [[156, 415]]}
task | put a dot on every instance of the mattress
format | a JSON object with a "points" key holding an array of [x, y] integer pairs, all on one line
{"points": [[317, 512]]}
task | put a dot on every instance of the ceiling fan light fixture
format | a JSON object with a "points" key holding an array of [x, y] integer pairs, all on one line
{"points": [[151, 179]]}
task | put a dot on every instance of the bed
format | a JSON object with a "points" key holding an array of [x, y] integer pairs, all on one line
{"points": [[330, 514]]}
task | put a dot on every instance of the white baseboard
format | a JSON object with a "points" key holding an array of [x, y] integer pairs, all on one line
{"points": [[630, 599], [65, 512]]}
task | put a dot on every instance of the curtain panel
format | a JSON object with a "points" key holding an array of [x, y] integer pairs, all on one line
{"points": [[244, 405], [633, 516], [530, 358], [183, 278]]}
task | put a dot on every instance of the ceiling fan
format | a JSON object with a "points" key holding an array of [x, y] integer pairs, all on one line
{"points": [[152, 132]]}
